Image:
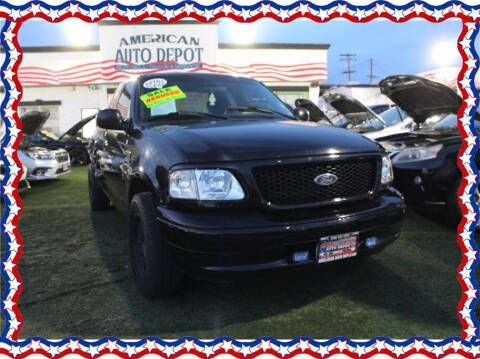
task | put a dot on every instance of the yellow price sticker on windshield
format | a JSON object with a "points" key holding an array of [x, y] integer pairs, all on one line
{"points": [[162, 95]]}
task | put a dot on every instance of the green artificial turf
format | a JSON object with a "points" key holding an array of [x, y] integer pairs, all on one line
{"points": [[77, 281]]}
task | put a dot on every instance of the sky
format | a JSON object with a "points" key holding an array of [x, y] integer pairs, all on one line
{"points": [[407, 48]]}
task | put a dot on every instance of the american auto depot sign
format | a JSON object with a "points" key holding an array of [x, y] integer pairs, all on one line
{"points": [[158, 46]]}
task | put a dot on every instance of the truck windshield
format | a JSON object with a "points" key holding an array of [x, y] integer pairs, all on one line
{"points": [[210, 97]]}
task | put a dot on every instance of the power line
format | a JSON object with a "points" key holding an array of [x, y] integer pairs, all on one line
{"points": [[347, 58]]}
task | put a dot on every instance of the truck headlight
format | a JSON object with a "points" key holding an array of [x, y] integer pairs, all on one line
{"points": [[40, 155], [417, 154], [387, 171], [205, 185]]}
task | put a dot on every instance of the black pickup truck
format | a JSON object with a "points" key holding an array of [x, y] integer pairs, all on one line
{"points": [[217, 175]]}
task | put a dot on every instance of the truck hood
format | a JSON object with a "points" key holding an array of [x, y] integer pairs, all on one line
{"points": [[72, 131], [419, 97], [418, 139], [237, 140], [33, 122], [348, 105]]}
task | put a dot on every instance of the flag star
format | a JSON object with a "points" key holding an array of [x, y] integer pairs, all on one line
{"points": [[53, 14], [303, 8], [53, 350], [14, 209], [264, 8], [471, 63], [15, 14], [14, 169], [475, 13], [189, 345], [471, 140], [437, 350], [131, 350], [265, 345], [112, 9], [169, 350], [14, 93], [34, 345], [418, 8], [360, 14], [465, 273], [360, 350], [189, 8], [93, 350], [465, 235], [14, 323], [418, 345], [245, 14], [323, 14], [465, 43], [342, 345], [13, 246], [8, 190], [93, 14], [465, 120], [379, 8], [227, 345], [471, 178], [34, 8], [8, 74], [73, 345], [245, 350], [470, 332], [8, 35], [465, 158], [437, 14], [209, 350], [471, 101], [14, 131], [470, 216], [341, 9], [465, 82], [8, 151], [14, 350], [456, 345], [9, 228], [227, 9], [471, 254], [475, 350], [398, 350], [398, 14], [208, 14], [149, 8], [73, 8], [14, 54], [465, 197], [456, 8], [111, 345], [323, 350], [8, 304], [472, 25], [14, 284], [8, 112], [283, 14], [283, 350], [130, 14], [149, 345], [465, 313], [379, 344]]}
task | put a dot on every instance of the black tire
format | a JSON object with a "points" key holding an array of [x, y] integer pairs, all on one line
{"points": [[79, 157], [98, 200], [154, 269]]}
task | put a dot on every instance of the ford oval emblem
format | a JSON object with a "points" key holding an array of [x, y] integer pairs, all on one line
{"points": [[325, 179]]}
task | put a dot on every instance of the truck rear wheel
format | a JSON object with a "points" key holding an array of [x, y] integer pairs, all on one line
{"points": [[154, 268], [98, 200]]}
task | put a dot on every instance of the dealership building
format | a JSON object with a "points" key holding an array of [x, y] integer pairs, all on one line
{"points": [[74, 82]]}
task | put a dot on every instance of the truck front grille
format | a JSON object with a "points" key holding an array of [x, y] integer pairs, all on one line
{"points": [[293, 184]]}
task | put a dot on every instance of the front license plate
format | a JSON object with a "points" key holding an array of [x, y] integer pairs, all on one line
{"points": [[337, 247], [65, 167]]}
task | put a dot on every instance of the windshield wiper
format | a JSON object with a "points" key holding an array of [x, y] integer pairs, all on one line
{"points": [[260, 110], [185, 114]]}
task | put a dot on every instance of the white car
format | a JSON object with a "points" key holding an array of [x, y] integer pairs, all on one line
{"points": [[41, 163]]}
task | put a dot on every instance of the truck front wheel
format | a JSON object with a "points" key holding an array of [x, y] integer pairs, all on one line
{"points": [[154, 268]]}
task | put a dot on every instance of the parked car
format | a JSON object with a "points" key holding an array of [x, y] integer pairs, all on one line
{"points": [[425, 160], [343, 111], [70, 141], [217, 175], [41, 163]]}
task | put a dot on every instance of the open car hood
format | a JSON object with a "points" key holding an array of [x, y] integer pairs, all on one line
{"points": [[346, 105], [33, 122], [72, 131], [419, 97]]}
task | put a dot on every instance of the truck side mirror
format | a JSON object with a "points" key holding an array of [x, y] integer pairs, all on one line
{"points": [[301, 114], [110, 119]]}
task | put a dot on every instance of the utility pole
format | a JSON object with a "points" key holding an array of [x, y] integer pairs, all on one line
{"points": [[371, 71], [347, 57]]}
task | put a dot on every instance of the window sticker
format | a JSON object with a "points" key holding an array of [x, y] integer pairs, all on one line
{"points": [[163, 95], [156, 83], [163, 108], [212, 99]]}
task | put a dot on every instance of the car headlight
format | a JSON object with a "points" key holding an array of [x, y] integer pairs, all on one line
{"points": [[417, 154], [40, 155], [205, 185], [387, 171]]}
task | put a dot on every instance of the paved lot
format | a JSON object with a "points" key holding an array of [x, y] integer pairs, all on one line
{"points": [[77, 282]]}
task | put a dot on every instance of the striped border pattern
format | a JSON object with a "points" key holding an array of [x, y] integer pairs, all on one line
{"points": [[15, 15]]}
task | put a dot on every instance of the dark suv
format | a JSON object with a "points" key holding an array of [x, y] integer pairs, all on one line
{"points": [[217, 175]]}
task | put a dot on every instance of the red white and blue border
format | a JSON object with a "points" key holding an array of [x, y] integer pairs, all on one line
{"points": [[465, 345]]}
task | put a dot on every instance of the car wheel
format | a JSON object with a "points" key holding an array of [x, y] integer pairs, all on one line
{"points": [[98, 200], [154, 269], [454, 212], [78, 157]]}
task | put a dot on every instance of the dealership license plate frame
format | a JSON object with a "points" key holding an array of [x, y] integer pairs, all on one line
{"points": [[330, 246], [65, 167]]}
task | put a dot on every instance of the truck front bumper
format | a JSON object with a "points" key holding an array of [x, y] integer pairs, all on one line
{"points": [[240, 242]]}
